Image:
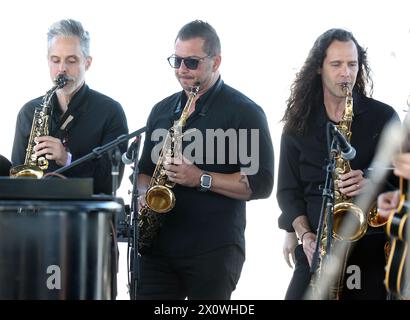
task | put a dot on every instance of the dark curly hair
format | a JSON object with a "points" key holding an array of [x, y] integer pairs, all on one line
{"points": [[307, 92]]}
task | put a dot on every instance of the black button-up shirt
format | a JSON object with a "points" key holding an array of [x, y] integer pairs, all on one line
{"points": [[203, 221], [96, 120]]}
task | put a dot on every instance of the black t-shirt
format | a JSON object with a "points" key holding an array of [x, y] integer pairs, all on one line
{"points": [[202, 221], [303, 159], [95, 120]]}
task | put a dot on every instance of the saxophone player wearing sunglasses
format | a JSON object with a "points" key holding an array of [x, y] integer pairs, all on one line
{"points": [[199, 250]]}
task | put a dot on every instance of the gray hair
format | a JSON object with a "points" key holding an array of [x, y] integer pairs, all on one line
{"points": [[70, 28]]}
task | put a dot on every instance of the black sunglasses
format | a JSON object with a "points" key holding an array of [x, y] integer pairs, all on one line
{"points": [[190, 62]]}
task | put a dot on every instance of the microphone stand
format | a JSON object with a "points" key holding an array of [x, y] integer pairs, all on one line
{"points": [[99, 151], [133, 250], [326, 212], [115, 168]]}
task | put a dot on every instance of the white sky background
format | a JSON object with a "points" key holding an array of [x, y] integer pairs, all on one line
{"points": [[264, 43]]}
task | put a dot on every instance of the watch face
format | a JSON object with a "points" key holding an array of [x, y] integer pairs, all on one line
{"points": [[206, 181]]}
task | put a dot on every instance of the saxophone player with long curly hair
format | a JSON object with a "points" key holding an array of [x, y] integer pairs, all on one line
{"points": [[317, 97]]}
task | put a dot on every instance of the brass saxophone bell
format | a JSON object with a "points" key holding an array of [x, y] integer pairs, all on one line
{"points": [[375, 219], [349, 222], [26, 171], [160, 199]]}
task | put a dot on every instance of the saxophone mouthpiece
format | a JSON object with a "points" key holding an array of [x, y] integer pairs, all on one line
{"points": [[195, 87], [346, 88], [61, 80]]}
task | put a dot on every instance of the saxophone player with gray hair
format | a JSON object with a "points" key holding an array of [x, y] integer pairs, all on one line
{"points": [[317, 98], [199, 250], [80, 119]]}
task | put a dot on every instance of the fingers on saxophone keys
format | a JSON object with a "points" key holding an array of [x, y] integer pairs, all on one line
{"points": [[141, 201], [169, 166], [172, 161], [168, 160], [171, 175], [351, 191]]}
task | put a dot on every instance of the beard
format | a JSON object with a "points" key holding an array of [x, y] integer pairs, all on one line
{"points": [[72, 86]]}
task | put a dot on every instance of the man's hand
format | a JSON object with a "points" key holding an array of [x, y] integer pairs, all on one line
{"points": [[402, 165], [309, 246], [289, 244], [388, 201], [352, 183], [182, 171], [52, 148], [141, 201]]}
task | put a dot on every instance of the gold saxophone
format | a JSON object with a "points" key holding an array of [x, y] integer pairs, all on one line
{"points": [[159, 196], [349, 222], [344, 208], [327, 281], [34, 166]]}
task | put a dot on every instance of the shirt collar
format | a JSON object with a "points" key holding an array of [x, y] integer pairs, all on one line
{"points": [[75, 102]]}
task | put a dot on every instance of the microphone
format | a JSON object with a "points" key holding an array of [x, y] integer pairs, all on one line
{"points": [[129, 156], [348, 152]]}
